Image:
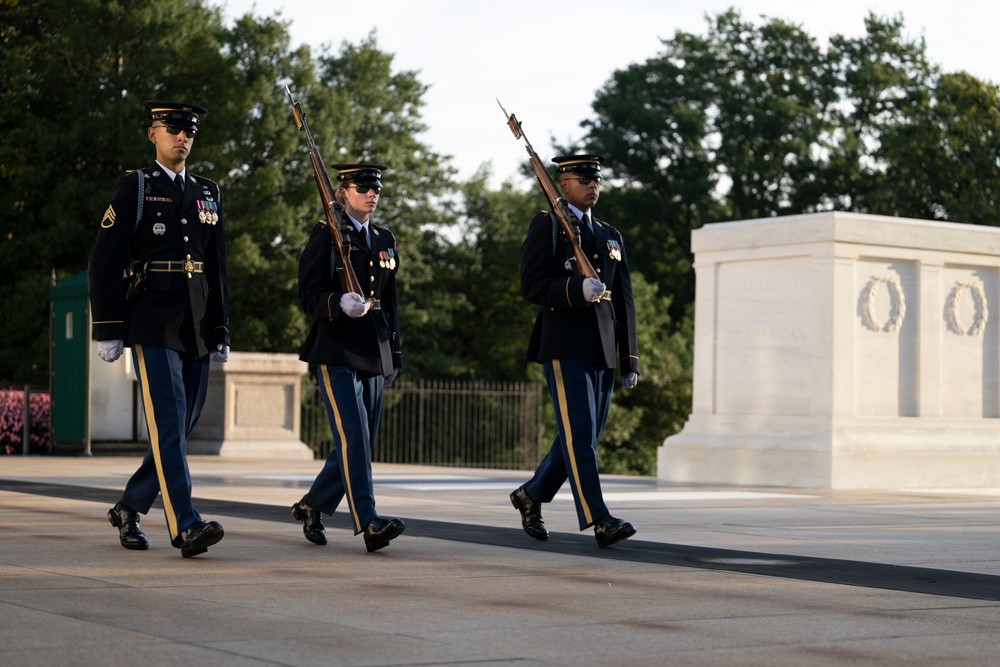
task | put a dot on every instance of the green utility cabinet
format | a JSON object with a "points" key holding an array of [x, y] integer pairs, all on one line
{"points": [[70, 347]]}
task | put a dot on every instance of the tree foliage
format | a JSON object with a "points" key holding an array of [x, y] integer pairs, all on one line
{"points": [[73, 118], [756, 119]]}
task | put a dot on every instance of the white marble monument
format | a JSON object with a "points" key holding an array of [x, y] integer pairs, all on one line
{"points": [[843, 351], [253, 408]]}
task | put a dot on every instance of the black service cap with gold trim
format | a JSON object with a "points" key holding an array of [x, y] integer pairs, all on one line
{"points": [[361, 173], [176, 114], [584, 165]]}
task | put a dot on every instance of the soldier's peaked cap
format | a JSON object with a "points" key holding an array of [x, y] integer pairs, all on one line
{"points": [[176, 114], [360, 173], [584, 165]]}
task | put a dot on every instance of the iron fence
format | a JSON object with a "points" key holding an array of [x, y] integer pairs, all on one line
{"points": [[446, 423]]}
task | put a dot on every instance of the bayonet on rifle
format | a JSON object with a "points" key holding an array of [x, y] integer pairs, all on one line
{"points": [[559, 208], [333, 210]]}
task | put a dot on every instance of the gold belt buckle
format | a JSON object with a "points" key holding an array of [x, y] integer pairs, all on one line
{"points": [[188, 266]]}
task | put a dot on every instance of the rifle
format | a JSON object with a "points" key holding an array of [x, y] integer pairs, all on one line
{"points": [[334, 211], [558, 204]]}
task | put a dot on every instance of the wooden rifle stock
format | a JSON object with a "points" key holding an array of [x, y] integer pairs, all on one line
{"points": [[558, 204], [334, 211]]}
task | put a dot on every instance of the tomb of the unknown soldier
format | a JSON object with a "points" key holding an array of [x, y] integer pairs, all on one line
{"points": [[838, 350]]}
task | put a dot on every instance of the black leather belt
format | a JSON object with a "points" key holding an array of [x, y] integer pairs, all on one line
{"points": [[184, 266], [375, 304]]}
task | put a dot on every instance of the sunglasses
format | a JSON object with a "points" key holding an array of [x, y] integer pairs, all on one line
{"points": [[363, 189], [585, 180], [177, 130]]}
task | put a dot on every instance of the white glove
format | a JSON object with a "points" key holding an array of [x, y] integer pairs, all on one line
{"points": [[391, 376], [221, 353], [593, 289], [110, 350], [629, 380], [353, 304]]}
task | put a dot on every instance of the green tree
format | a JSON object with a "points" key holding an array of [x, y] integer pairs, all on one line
{"points": [[489, 334], [373, 113], [942, 159], [268, 192], [717, 127], [72, 118], [879, 76], [658, 406]]}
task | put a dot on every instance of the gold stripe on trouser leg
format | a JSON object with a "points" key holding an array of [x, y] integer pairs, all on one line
{"points": [[345, 468], [568, 435], [154, 442]]}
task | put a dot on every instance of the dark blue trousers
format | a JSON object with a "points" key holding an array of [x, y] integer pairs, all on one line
{"points": [[354, 407], [581, 396], [173, 386]]}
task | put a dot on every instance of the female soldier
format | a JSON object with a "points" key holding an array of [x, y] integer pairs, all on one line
{"points": [[354, 341]]}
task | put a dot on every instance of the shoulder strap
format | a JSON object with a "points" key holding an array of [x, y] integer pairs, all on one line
{"points": [[333, 261], [138, 216], [138, 205], [555, 232]]}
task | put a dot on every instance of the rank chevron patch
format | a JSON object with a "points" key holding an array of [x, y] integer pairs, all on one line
{"points": [[109, 217]]}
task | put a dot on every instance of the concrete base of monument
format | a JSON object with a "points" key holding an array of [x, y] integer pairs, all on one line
{"points": [[876, 453], [256, 449], [253, 409]]}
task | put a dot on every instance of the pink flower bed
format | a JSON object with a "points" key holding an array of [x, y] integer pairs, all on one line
{"points": [[12, 422]]}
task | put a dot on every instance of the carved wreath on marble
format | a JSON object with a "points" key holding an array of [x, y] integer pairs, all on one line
{"points": [[982, 313], [897, 304]]}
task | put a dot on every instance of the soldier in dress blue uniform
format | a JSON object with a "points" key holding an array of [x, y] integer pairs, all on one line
{"points": [[165, 226], [354, 342], [584, 329]]}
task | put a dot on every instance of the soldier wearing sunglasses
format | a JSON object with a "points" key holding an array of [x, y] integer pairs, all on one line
{"points": [[585, 328], [166, 227], [354, 343]]}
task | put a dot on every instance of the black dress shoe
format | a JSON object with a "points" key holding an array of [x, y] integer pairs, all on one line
{"points": [[199, 537], [126, 521], [610, 530], [380, 531], [312, 522], [531, 514]]}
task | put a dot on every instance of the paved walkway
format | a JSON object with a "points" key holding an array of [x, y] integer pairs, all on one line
{"points": [[715, 576]]}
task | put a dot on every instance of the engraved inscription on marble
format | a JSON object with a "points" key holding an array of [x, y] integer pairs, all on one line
{"points": [[764, 337]]}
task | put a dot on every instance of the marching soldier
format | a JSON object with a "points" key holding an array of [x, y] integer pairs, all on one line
{"points": [[354, 342], [166, 227], [584, 328]]}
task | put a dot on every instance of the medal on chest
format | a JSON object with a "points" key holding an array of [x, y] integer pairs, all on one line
{"points": [[208, 211], [387, 259]]}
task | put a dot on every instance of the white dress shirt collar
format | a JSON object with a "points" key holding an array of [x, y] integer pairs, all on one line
{"points": [[579, 214], [170, 172], [362, 227]]}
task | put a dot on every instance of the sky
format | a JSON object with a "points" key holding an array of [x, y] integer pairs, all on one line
{"points": [[546, 60]]}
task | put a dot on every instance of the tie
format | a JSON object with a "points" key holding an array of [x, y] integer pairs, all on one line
{"points": [[179, 182], [364, 232], [585, 230]]}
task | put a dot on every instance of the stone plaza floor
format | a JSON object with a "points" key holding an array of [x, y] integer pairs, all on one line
{"points": [[714, 576]]}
